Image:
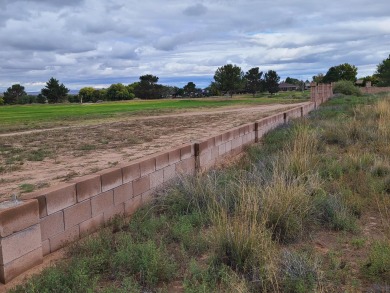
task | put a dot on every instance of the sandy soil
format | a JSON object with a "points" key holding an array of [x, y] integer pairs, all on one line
{"points": [[37, 159]]}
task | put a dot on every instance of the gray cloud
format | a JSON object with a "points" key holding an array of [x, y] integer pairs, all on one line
{"points": [[88, 42], [195, 10]]}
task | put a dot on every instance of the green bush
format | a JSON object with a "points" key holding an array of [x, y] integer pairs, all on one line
{"points": [[63, 277], [346, 87], [1, 101], [378, 265]]}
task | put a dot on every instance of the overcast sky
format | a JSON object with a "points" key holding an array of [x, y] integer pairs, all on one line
{"points": [[97, 43]]}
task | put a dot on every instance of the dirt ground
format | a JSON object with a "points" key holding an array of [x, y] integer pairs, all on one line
{"points": [[32, 160]]}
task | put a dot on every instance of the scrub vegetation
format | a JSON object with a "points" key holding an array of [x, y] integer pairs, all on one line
{"points": [[307, 210]]}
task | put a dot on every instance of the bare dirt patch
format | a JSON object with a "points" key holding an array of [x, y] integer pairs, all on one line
{"points": [[32, 160]]}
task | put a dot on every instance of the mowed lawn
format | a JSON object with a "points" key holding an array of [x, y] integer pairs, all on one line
{"points": [[23, 117]]}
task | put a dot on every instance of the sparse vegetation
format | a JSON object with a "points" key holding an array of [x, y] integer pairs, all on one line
{"points": [[288, 217]]}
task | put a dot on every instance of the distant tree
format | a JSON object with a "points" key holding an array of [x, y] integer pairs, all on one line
{"points": [[54, 92], [87, 94], [372, 78], [147, 87], [229, 79], [119, 92], [179, 92], [1, 101], [212, 90], [166, 91], [74, 98], [271, 80], [189, 89], [41, 99], [383, 72], [253, 82], [294, 81], [341, 72], [99, 95], [14, 93], [318, 78], [26, 99]]}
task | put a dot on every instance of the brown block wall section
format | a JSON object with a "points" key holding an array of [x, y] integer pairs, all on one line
{"points": [[53, 217]]}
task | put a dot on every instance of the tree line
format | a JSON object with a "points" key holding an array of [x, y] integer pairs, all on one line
{"points": [[348, 72], [228, 80]]}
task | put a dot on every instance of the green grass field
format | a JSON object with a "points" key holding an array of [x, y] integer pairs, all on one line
{"points": [[14, 118]]}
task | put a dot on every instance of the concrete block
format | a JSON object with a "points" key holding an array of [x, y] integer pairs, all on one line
{"points": [[186, 166], [214, 153], [218, 140], [169, 173], [113, 211], [205, 159], [147, 197], [46, 247], [88, 186], [222, 149], [16, 267], [147, 166], [141, 185], [78, 213], [227, 136], [52, 225], [174, 156], [187, 151], [60, 240], [162, 160], [16, 245], [131, 206], [228, 146], [236, 143], [91, 225], [17, 218], [203, 146], [123, 193], [243, 130], [60, 197], [236, 133], [131, 172], [37, 195], [101, 202], [157, 179], [111, 178]]}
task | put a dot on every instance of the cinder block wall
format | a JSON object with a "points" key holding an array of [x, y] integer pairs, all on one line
{"points": [[375, 90], [49, 219], [320, 93]]}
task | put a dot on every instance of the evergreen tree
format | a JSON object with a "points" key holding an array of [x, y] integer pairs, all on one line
{"points": [[13, 94], [383, 72], [54, 92], [253, 82], [229, 79], [271, 80]]}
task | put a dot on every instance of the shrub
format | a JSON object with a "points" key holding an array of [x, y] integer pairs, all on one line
{"points": [[63, 277], [299, 273], [332, 211], [378, 265], [1, 101], [346, 87], [149, 262]]}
